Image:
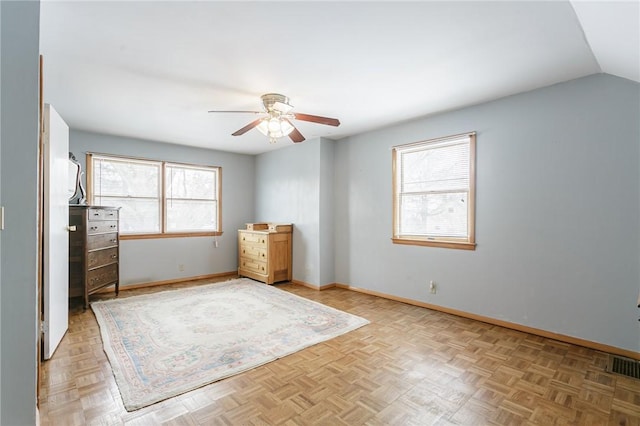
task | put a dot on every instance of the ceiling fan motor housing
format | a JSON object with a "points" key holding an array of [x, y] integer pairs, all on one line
{"points": [[270, 99]]}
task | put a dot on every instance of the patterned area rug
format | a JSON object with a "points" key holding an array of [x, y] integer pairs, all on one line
{"points": [[164, 344]]}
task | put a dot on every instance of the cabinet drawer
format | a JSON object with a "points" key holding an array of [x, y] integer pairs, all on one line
{"points": [[100, 277], [101, 241], [102, 214], [253, 266], [257, 240], [102, 257], [253, 252], [100, 227]]}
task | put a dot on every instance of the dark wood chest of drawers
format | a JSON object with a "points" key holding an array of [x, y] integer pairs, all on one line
{"points": [[94, 250]]}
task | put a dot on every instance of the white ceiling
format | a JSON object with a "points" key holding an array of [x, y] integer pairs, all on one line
{"points": [[152, 69]]}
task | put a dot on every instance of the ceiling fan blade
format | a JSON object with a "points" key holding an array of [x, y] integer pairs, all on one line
{"points": [[246, 128], [295, 135], [317, 119], [248, 112]]}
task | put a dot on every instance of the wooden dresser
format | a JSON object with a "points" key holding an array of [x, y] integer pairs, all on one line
{"points": [[93, 250], [264, 252]]}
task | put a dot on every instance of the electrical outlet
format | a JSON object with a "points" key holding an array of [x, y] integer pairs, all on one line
{"points": [[181, 267], [432, 287]]}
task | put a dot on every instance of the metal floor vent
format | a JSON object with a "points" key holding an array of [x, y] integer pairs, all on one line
{"points": [[625, 366]]}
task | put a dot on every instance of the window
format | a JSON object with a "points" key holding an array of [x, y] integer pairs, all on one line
{"points": [[190, 198], [434, 192], [157, 198]]}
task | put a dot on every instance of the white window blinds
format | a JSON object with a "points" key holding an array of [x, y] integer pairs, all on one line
{"points": [[133, 185], [157, 197], [433, 189]]}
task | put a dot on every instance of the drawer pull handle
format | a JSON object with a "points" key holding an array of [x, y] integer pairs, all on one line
{"points": [[114, 256], [112, 226], [93, 228], [114, 240], [96, 214]]}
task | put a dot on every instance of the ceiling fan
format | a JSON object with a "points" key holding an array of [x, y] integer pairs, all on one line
{"points": [[277, 121]]}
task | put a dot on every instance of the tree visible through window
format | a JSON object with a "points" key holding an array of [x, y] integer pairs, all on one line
{"points": [[157, 198], [434, 192], [190, 198]]}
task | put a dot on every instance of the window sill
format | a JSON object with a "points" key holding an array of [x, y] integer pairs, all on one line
{"points": [[169, 235], [433, 243]]}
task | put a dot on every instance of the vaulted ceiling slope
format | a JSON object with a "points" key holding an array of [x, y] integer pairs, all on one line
{"points": [[152, 69]]}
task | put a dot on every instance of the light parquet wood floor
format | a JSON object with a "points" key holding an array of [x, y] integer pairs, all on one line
{"points": [[410, 366]]}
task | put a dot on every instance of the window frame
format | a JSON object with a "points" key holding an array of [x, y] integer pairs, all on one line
{"points": [[466, 243], [162, 200]]}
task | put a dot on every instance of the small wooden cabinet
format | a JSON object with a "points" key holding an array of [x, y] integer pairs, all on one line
{"points": [[265, 255], [94, 250]]}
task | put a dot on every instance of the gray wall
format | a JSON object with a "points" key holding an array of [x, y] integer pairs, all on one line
{"points": [[326, 231], [1, 200], [287, 184], [19, 35], [288, 191], [152, 260], [557, 219]]}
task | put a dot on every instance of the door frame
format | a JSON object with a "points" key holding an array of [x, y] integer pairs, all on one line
{"points": [[40, 233]]}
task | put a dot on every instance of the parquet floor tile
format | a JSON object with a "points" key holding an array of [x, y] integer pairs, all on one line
{"points": [[409, 366]]}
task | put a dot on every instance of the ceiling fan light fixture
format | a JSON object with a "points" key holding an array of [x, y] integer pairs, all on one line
{"points": [[274, 128]]}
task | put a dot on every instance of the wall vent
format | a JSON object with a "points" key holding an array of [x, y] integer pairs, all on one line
{"points": [[625, 366]]}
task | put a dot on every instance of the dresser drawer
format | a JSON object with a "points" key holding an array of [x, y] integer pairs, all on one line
{"points": [[102, 214], [102, 226], [253, 266], [101, 241], [100, 277], [254, 239], [253, 252], [102, 257]]}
